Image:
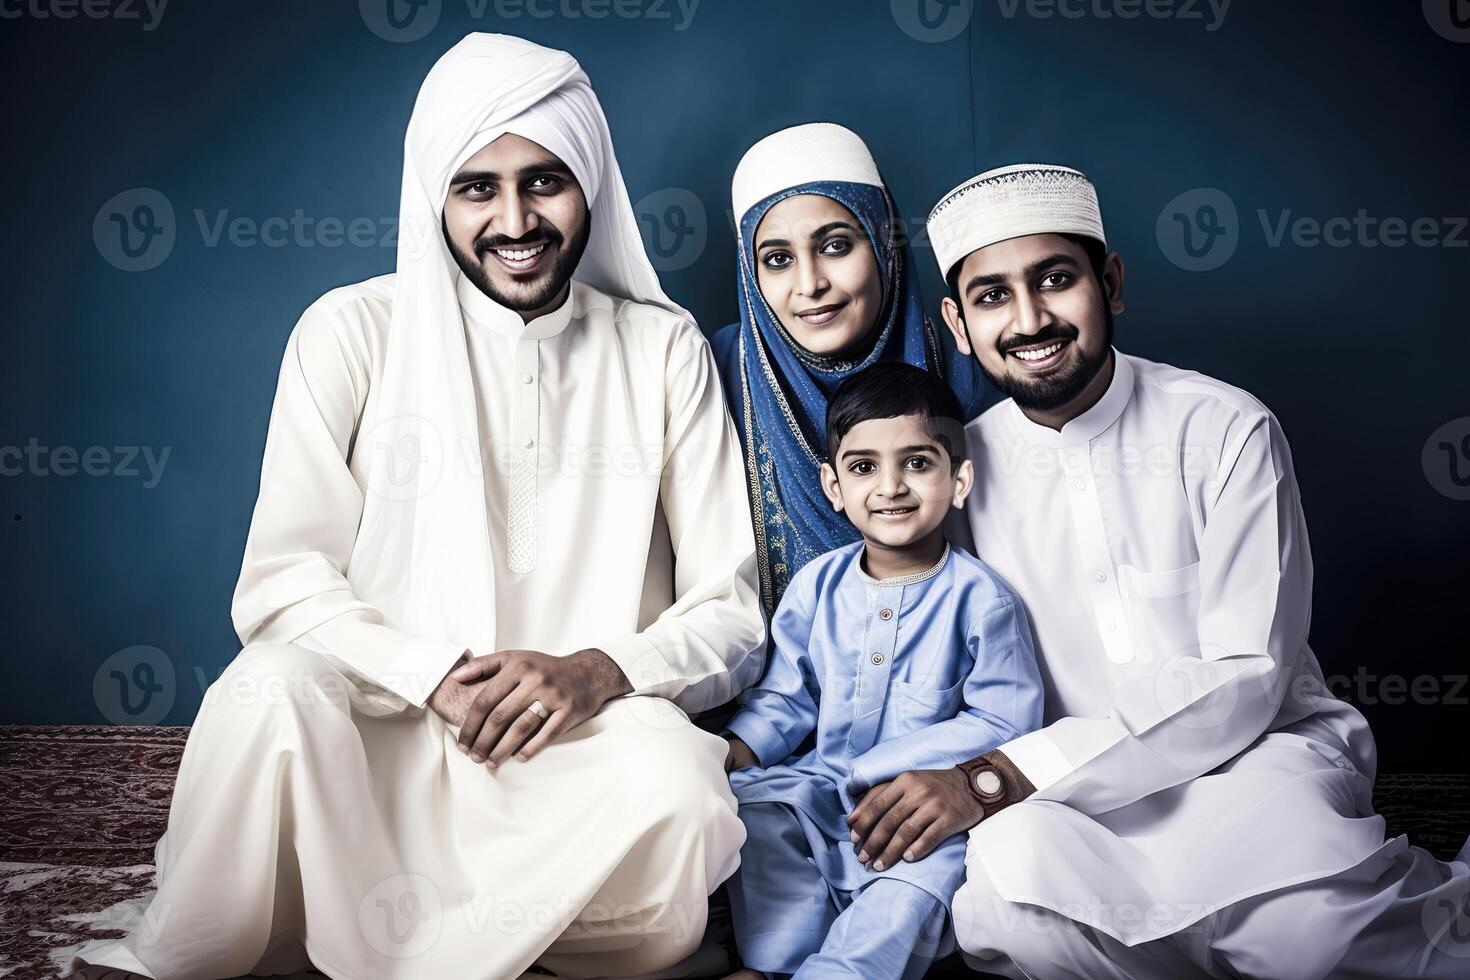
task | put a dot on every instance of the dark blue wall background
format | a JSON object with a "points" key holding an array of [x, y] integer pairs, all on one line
{"points": [[117, 586]]}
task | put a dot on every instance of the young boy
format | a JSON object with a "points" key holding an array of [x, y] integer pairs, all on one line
{"points": [[896, 653]]}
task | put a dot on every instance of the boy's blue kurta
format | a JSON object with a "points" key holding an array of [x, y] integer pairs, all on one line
{"points": [[918, 672]]}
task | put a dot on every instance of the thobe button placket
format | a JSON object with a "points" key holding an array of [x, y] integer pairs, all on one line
{"points": [[525, 425], [872, 672], [1092, 539]]}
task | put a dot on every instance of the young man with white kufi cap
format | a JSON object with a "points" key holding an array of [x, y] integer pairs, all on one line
{"points": [[502, 539], [1198, 803]]}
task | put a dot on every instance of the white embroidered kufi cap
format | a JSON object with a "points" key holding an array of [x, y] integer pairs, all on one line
{"points": [[1025, 199]]}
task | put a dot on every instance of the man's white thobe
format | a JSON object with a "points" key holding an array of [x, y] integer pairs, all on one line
{"points": [[1192, 756], [321, 805]]}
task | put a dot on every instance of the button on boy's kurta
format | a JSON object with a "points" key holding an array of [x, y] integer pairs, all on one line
{"points": [[917, 672]]}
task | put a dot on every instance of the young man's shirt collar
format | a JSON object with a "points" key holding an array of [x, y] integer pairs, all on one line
{"points": [[485, 312], [1091, 423]]}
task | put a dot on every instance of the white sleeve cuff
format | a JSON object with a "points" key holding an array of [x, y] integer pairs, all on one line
{"points": [[418, 668], [646, 669], [1038, 757]]}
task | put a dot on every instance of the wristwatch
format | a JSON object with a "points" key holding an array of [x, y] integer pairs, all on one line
{"points": [[995, 782]]}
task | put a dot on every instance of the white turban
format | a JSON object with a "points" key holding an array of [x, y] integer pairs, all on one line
{"points": [[1026, 199], [422, 553]]}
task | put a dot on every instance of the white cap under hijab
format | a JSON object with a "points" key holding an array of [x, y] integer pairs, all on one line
{"points": [[801, 155], [422, 553]]}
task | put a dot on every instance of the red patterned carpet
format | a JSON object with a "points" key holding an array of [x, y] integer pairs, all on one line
{"points": [[83, 806]]}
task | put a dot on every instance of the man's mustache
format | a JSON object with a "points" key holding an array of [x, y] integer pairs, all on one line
{"points": [[547, 234], [1057, 331]]}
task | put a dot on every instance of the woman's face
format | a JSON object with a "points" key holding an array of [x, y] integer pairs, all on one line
{"points": [[816, 269]]}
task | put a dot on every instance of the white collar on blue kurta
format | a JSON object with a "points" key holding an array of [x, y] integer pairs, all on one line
{"points": [[901, 580], [1091, 423], [489, 314]]}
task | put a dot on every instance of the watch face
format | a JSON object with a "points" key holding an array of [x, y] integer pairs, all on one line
{"points": [[987, 782]]}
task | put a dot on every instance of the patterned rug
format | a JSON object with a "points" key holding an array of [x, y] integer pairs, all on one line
{"points": [[83, 806]]}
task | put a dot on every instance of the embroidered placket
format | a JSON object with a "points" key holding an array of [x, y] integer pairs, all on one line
{"points": [[525, 427]]}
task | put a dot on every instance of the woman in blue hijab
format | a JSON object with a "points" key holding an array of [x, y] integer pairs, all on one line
{"points": [[827, 288]]}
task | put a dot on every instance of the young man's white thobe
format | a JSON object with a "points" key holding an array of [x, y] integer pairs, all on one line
{"points": [[320, 802], [1196, 781]]}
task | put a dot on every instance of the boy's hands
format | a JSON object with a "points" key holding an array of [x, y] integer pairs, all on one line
{"points": [[907, 818], [739, 755]]}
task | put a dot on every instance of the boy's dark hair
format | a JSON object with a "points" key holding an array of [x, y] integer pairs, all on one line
{"points": [[891, 389]]}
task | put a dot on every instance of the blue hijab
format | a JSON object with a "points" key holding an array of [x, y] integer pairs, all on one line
{"points": [[778, 391]]}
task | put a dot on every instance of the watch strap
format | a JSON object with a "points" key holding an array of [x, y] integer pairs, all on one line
{"points": [[995, 782]]}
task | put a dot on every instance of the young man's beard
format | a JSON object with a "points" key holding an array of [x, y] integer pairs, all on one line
{"points": [[1059, 387], [543, 290]]}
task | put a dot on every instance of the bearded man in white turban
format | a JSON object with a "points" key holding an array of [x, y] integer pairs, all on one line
{"points": [[501, 550]]}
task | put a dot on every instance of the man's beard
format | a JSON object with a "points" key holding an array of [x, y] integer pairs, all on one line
{"points": [[533, 295], [1057, 388]]}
